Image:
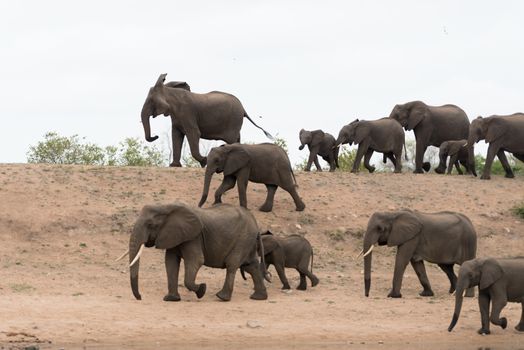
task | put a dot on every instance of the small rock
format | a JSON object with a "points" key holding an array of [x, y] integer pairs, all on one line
{"points": [[253, 324], [380, 342], [507, 229], [298, 226]]}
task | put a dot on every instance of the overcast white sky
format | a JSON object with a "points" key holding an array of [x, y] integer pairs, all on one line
{"points": [[85, 67]]}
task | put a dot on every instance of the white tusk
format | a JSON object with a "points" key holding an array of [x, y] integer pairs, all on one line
{"points": [[137, 255], [369, 250], [465, 144], [359, 254], [464, 293], [122, 256]]}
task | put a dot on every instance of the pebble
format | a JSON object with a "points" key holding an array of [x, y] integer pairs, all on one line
{"points": [[253, 324]]}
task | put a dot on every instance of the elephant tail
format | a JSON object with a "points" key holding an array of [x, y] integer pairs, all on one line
{"points": [[312, 255], [336, 150], [405, 153], [242, 273], [268, 135], [294, 178]]}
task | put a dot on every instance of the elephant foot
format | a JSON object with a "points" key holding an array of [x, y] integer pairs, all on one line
{"points": [[483, 331], [503, 322], [418, 171], [259, 295], [224, 296], [451, 289], [314, 281], [175, 165], [203, 162], [172, 297], [331, 170], [426, 166], [371, 169], [394, 295], [354, 171], [201, 290], [300, 207], [398, 171], [439, 171], [286, 286], [485, 177], [266, 208], [217, 201], [509, 176], [307, 169], [520, 327], [302, 287], [426, 293]]}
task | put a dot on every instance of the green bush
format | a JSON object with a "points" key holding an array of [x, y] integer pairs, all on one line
{"points": [[56, 149], [279, 141], [518, 210], [496, 166]]}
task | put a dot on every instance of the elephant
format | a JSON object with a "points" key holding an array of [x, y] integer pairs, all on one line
{"points": [[382, 135], [293, 251], [458, 154], [444, 238], [431, 125], [265, 163], [212, 116], [222, 236], [504, 133], [498, 281], [322, 144]]}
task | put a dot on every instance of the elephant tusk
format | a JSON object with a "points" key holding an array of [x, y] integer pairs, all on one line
{"points": [[137, 255], [122, 256], [464, 293], [369, 251], [359, 254], [465, 145]]}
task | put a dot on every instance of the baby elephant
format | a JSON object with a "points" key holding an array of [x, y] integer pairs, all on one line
{"points": [[499, 281], [322, 144], [458, 154], [294, 252]]}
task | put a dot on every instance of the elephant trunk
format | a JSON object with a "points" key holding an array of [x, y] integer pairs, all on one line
{"points": [[442, 163], [207, 182], [145, 123], [459, 297], [367, 264], [134, 247], [471, 153]]}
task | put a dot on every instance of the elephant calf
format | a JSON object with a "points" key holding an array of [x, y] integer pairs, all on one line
{"points": [[499, 281], [458, 153], [322, 144]]}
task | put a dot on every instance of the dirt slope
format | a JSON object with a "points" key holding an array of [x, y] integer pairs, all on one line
{"points": [[62, 227]]}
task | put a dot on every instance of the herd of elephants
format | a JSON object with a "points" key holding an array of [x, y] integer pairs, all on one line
{"points": [[226, 236]]}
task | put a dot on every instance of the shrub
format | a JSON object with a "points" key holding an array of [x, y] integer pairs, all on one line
{"points": [[518, 210], [496, 166]]}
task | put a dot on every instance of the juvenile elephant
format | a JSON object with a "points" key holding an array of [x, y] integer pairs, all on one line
{"points": [[499, 281], [457, 152], [503, 133], [382, 135], [431, 125], [322, 144], [223, 236], [264, 163], [293, 252], [444, 238], [212, 116]]}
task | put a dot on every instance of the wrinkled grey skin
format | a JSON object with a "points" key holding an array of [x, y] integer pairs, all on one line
{"points": [[321, 144], [443, 238], [212, 116], [431, 125], [504, 133], [458, 154], [499, 281], [383, 135], [264, 163], [293, 252], [223, 236]]}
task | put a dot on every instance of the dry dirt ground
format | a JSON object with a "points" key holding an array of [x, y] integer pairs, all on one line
{"points": [[62, 227]]}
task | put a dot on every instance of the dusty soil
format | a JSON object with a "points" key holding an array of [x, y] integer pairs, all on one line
{"points": [[62, 227]]}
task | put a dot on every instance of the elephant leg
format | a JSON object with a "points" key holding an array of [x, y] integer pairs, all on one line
{"points": [[303, 283], [404, 254], [396, 159], [279, 266], [362, 149], [191, 267], [177, 139], [317, 164], [331, 161], [505, 164], [498, 302], [292, 190], [419, 157], [227, 184], [242, 181], [258, 281], [268, 204], [484, 300], [448, 270], [311, 158], [420, 270], [520, 326], [367, 158], [227, 289], [193, 138], [172, 262], [490, 156], [453, 162]]}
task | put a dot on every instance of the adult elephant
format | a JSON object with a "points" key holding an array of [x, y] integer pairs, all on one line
{"points": [[431, 125], [504, 133], [321, 144], [222, 237], [499, 281], [382, 135], [213, 116], [458, 154], [264, 163], [443, 238]]}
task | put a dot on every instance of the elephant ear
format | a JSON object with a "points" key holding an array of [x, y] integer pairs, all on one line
{"points": [[317, 137], [161, 79], [495, 129], [235, 159], [416, 116], [405, 227], [178, 85], [490, 272], [270, 243], [180, 225], [361, 132]]}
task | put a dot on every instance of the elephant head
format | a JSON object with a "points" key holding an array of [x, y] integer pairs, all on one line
{"points": [[410, 114], [476, 272], [163, 227], [311, 138], [157, 102], [350, 134], [227, 159], [387, 228]]}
